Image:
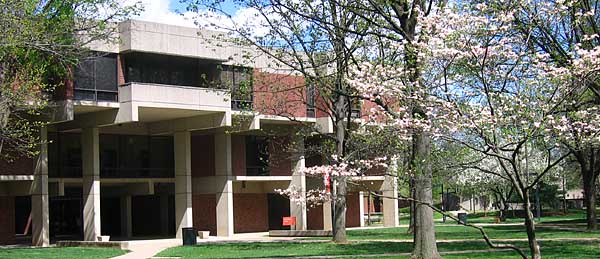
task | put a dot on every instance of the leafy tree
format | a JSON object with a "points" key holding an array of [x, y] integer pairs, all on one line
{"points": [[41, 41]]}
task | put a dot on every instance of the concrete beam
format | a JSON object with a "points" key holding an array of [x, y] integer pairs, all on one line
{"points": [[207, 121], [39, 196], [183, 181], [97, 119], [90, 147], [361, 209]]}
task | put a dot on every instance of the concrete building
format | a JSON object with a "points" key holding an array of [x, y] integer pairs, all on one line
{"points": [[152, 136]]}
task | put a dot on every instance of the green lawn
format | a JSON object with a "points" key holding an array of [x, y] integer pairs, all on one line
{"points": [[550, 249], [60, 253], [573, 216], [462, 232]]}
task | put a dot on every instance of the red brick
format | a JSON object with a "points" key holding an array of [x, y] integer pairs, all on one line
{"points": [[204, 210], [19, 166], [280, 163], [238, 154], [203, 155], [314, 217], [279, 94], [250, 212], [352, 210], [7, 220]]}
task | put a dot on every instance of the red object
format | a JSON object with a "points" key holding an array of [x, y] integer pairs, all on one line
{"points": [[289, 221], [328, 183]]}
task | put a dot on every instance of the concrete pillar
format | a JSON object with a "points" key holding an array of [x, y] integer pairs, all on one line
{"points": [[327, 220], [298, 210], [223, 173], [389, 188], [361, 209], [183, 181], [126, 222], [90, 158], [164, 214], [39, 196]]}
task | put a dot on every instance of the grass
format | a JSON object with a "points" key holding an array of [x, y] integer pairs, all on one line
{"points": [[60, 253], [572, 216], [461, 232], [550, 249]]}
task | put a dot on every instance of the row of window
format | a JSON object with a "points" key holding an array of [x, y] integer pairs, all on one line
{"points": [[132, 156], [96, 77]]}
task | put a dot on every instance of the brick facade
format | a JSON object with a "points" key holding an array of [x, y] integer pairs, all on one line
{"points": [[352, 210], [238, 155], [279, 94], [279, 156], [314, 217], [7, 220], [204, 210], [203, 155], [20, 166], [250, 212]]}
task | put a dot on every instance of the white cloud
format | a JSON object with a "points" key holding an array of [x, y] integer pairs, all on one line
{"points": [[158, 11]]}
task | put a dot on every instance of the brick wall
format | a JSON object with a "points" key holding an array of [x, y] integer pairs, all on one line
{"points": [[238, 154], [203, 155], [280, 163], [314, 217], [352, 210], [7, 220], [279, 94], [250, 212], [204, 210], [19, 166]]}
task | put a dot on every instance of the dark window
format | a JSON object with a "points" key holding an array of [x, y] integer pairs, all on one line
{"points": [[169, 70], [64, 155], [310, 101], [125, 156], [257, 156], [96, 79], [239, 80]]}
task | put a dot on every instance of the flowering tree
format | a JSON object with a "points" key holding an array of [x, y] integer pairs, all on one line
{"points": [[566, 37], [483, 87]]}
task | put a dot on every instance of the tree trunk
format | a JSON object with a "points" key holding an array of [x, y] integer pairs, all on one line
{"points": [[589, 198], [425, 246], [339, 226], [530, 226], [411, 211]]}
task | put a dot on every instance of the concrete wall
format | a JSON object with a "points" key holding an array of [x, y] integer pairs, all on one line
{"points": [[7, 220], [250, 212]]}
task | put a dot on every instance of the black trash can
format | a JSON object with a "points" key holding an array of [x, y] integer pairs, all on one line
{"points": [[462, 217], [189, 236]]}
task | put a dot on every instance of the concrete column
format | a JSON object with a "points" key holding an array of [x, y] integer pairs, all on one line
{"points": [[298, 210], [223, 173], [90, 158], [126, 222], [183, 181], [361, 209], [39, 196], [164, 214], [327, 224], [389, 188]]}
